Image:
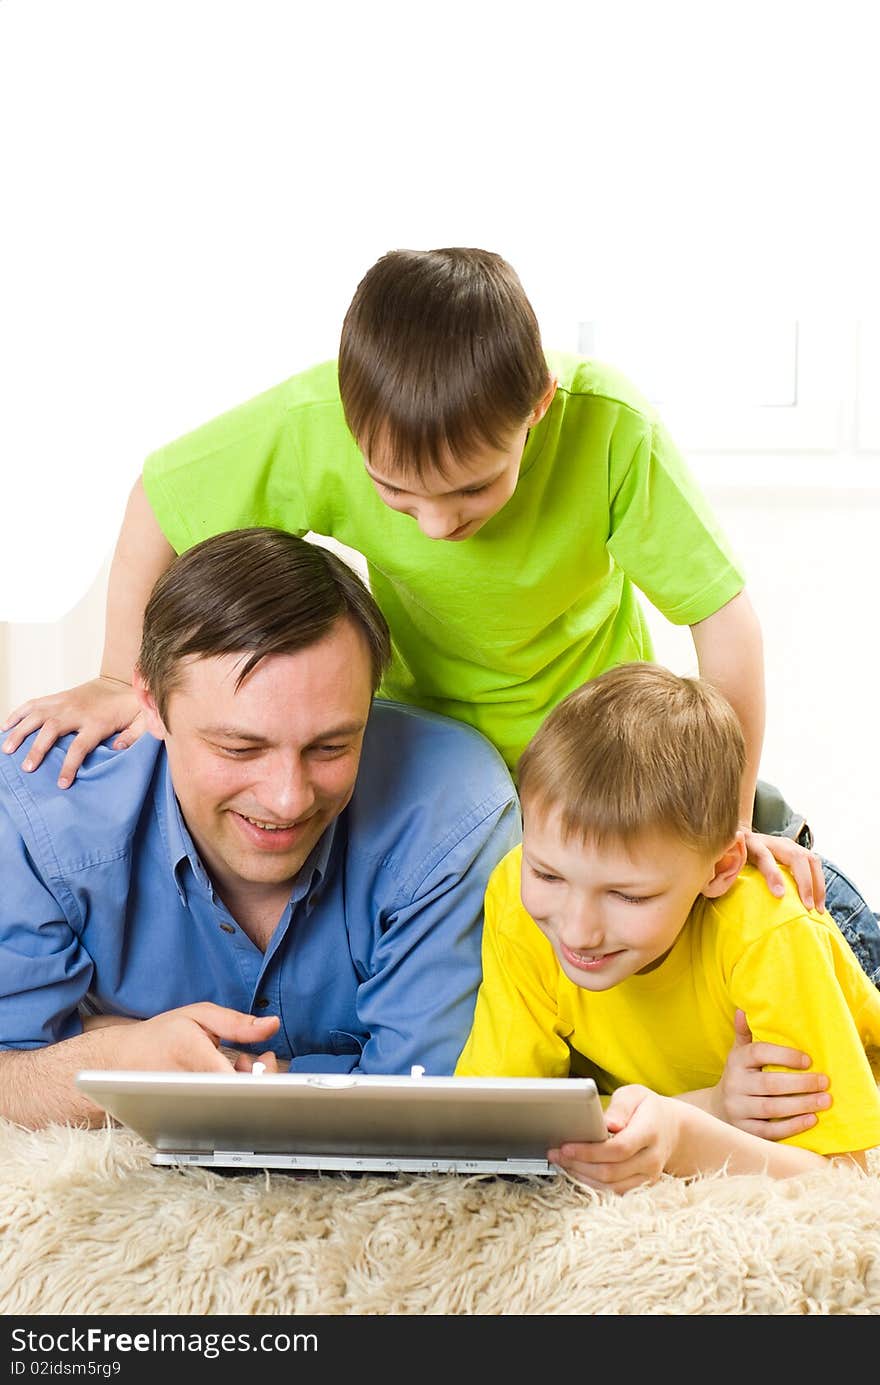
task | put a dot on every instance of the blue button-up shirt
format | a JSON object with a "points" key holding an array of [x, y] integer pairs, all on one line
{"points": [[375, 962]]}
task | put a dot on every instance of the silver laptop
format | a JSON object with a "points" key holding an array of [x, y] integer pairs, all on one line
{"points": [[351, 1123]]}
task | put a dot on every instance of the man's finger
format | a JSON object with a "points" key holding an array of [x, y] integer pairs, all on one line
{"points": [[224, 1023]]}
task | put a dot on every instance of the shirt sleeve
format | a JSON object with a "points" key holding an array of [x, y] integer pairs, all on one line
{"points": [[44, 971], [663, 533], [237, 471], [516, 1030], [417, 1004], [793, 985]]}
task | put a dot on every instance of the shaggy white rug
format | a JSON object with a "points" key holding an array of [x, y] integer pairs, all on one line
{"points": [[87, 1226]]}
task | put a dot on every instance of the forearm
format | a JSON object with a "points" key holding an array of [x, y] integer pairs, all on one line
{"points": [[706, 1145], [37, 1086], [730, 655], [141, 556], [705, 1098]]}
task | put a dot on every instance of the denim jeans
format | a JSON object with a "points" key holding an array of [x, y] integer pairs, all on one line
{"points": [[855, 919], [847, 906]]}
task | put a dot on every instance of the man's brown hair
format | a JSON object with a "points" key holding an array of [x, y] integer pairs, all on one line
{"points": [[252, 592], [636, 750], [440, 354]]}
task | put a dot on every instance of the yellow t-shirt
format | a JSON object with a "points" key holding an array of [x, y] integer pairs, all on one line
{"points": [[672, 1028]]}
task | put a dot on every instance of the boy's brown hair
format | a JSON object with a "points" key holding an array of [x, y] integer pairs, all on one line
{"points": [[440, 354], [252, 592], [636, 750]]}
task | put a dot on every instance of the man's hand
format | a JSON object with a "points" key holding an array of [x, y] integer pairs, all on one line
{"points": [[188, 1040], [772, 1105], [37, 1086], [94, 710], [764, 850], [241, 1062], [644, 1130]]}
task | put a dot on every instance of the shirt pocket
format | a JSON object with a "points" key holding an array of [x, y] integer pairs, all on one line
{"points": [[342, 1042]]}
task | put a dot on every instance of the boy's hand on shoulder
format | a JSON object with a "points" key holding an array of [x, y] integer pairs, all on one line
{"points": [[644, 1130], [765, 851], [771, 1105], [94, 710]]}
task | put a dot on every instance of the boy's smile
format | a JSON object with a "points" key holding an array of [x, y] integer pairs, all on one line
{"points": [[592, 962], [609, 911]]}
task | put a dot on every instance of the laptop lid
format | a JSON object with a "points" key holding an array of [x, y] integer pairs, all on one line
{"points": [[350, 1122]]}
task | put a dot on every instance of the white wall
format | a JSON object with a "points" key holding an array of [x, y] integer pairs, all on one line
{"points": [[192, 188], [812, 575]]}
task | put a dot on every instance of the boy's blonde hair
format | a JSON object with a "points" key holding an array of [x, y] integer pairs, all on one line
{"points": [[636, 750]]}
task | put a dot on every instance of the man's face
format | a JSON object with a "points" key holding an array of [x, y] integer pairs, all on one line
{"points": [[608, 911], [261, 771]]}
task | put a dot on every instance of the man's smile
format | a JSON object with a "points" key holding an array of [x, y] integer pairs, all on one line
{"points": [[271, 836]]}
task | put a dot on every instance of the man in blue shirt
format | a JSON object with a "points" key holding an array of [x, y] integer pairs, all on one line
{"points": [[283, 868]]}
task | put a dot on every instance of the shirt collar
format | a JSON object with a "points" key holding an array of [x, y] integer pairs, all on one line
{"points": [[537, 437]]}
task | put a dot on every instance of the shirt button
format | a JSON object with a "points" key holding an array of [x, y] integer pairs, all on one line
{"points": [[261, 1002], [227, 928]]}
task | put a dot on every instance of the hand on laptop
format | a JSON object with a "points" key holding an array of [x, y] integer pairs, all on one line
{"points": [[244, 1062], [645, 1133], [188, 1039]]}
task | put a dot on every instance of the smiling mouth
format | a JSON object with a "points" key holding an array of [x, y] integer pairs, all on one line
{"points": [[269, 826], [277, 836], [588, 961]]}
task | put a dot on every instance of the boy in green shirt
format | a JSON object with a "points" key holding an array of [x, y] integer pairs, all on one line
{"points": [[507, 501]]}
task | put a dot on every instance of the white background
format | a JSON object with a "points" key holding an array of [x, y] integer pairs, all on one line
{"points": [[191, 190]]}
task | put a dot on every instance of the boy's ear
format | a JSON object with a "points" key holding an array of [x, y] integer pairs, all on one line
{"points": [[155, 724], [544, 402], [726, 868]]}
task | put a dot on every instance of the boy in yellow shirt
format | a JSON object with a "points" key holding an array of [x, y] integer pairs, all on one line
{"points": [[626, 934]]}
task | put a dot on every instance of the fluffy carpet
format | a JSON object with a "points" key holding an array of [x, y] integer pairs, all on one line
{"points": [[87, 1226]]}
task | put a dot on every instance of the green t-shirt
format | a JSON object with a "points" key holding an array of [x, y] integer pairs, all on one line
{"points": [[497, 629]]}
